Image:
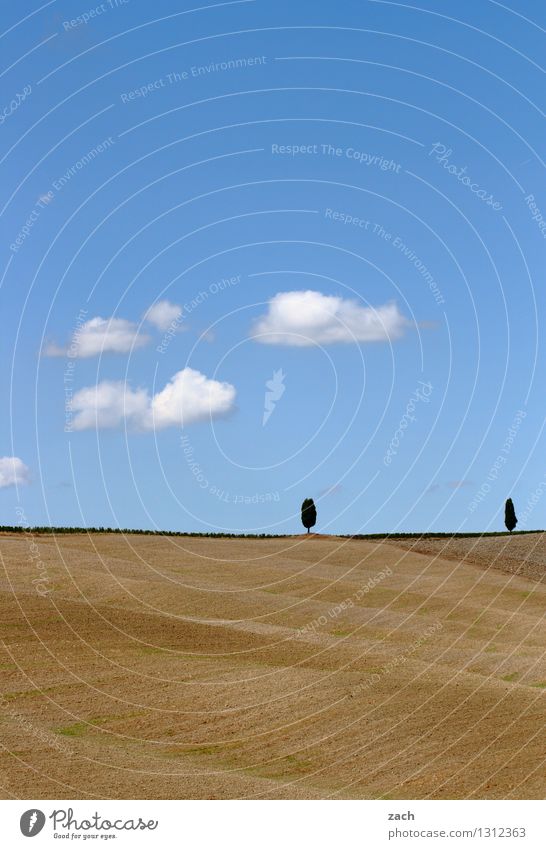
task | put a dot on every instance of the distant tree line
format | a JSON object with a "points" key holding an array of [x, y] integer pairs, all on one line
{"points": [[49, 529], [308, 518]]}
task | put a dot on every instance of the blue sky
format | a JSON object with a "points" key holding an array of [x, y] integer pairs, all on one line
{"points": [[329, 212]]}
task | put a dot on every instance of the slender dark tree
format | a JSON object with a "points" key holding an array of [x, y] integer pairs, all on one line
{"points": [[510, 515], [308, 514]]}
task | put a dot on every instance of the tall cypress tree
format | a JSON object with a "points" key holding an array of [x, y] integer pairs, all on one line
{"points": [[308, 513], [510, 519]]}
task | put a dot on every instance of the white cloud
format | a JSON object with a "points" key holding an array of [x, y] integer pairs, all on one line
{"points": [[101, 336], [163, 314], [310, 318], [188, 397], [13, 471], [108, 404]]}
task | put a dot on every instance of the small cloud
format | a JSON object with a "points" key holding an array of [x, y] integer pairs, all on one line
{"points": [[309, 318], [433, 488], [100, 336], [13, 472], [187, 398], [51, 349], [459, 484], [334, 489], [163, 314]]}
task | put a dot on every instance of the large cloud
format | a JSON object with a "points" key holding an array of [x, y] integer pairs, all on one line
{"points": [[164, 314], [13, 471], [188, 397], [311, 318], [101, 336]]}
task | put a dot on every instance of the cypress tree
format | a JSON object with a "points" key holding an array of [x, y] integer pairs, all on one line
{"points": [[510, 519], [308, 514]]}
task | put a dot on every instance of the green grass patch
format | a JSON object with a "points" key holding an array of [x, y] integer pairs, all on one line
{"points": [[512, 676], [77, 729], [203, 750], [94, 723], [281, 767], [166, 652], [114, 717], [225, 752], [25, 694]]}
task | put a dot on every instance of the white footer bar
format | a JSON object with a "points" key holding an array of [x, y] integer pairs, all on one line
{"points": [[275, 825]]}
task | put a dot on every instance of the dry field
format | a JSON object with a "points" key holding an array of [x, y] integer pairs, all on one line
{"points": [[287, 668], [523, 554]]}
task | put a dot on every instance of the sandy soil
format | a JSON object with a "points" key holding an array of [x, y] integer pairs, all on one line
{"points": [[146, 667]]}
